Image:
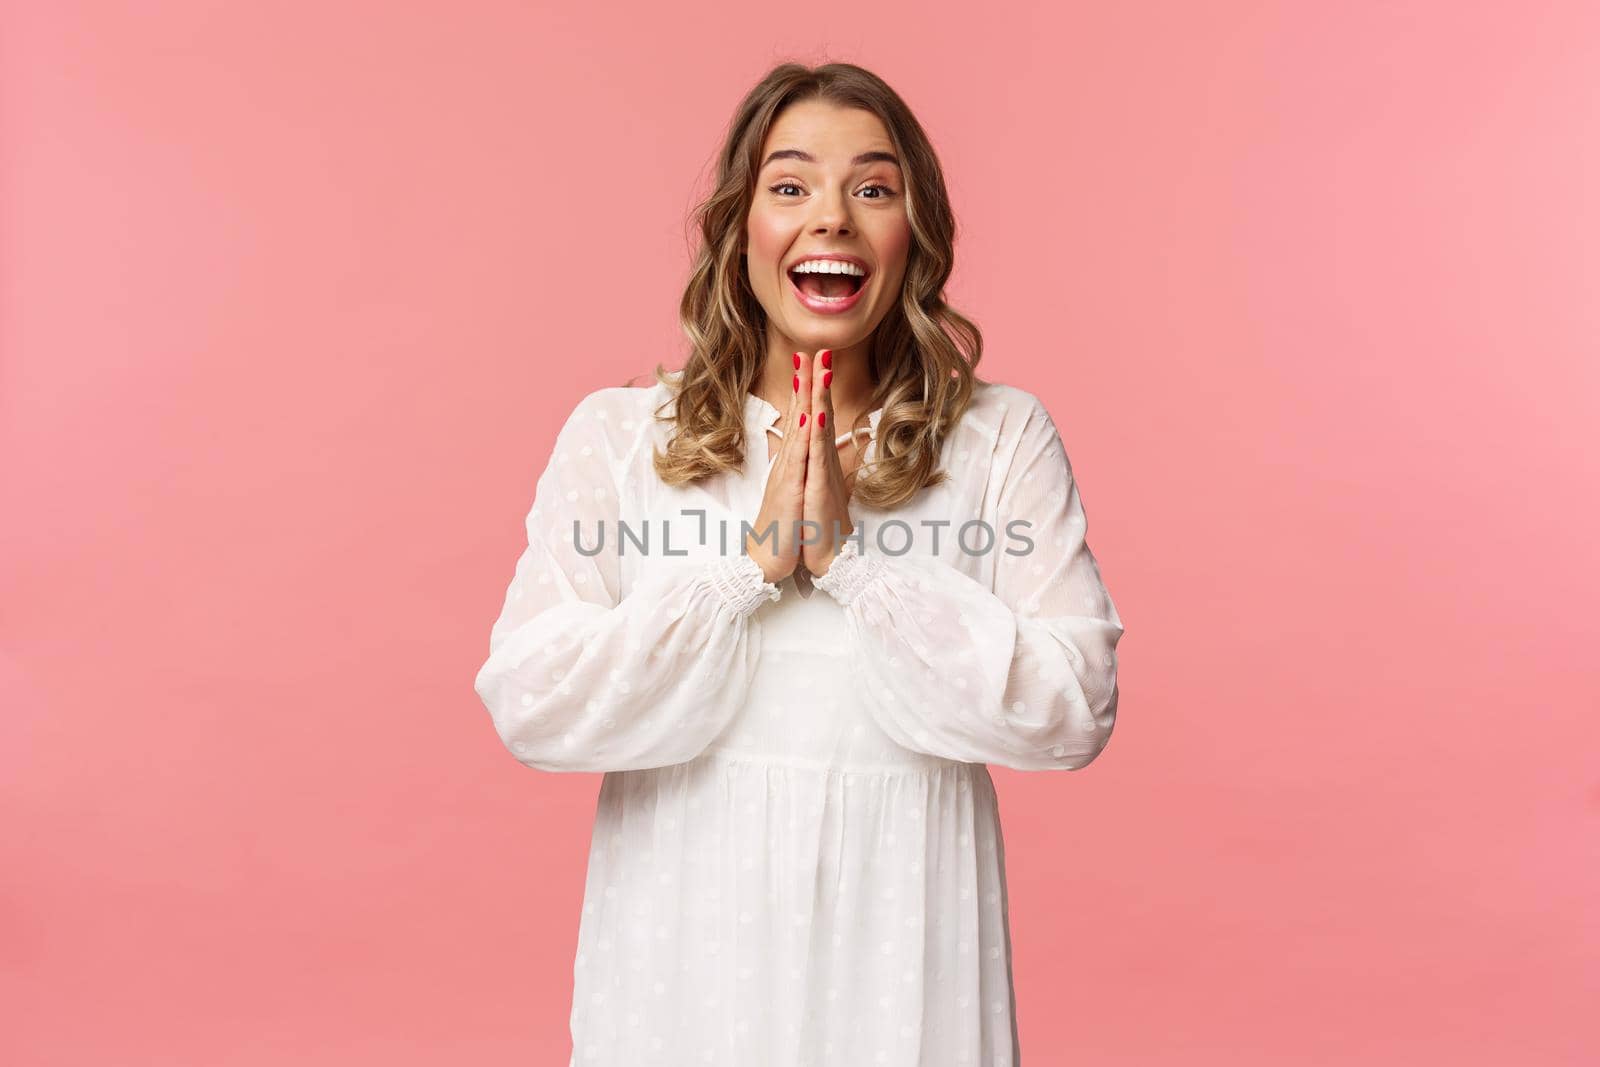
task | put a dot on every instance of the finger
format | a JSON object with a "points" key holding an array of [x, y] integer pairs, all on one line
{"points": [[822, 403], [825, 450], [819, 409], [803, 387], [800, 422], [791, 417], [794, 400]]}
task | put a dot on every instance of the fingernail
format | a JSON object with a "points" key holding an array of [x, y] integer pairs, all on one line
{"points": [[827, 357], [822, 420], [797, 361], [797, 383], [827, 376], [802, 418]]}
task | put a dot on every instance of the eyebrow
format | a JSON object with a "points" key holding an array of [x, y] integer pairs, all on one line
{"points": [[865, 157]]}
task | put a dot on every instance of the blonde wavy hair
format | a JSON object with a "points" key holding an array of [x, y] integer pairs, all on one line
{"points": [[922, 353]]}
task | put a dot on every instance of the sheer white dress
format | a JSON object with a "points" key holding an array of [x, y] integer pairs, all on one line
{"points": [[796, 857]]}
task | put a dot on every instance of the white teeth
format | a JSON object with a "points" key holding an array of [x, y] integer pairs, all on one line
{"points": [[827, 266]]}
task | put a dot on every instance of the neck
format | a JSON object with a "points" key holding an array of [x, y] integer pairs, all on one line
{"points": [[850, 386]]}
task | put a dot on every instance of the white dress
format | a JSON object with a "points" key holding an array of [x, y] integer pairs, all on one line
{"points": [[796, 857]]}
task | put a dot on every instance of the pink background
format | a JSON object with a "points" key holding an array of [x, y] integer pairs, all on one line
{"points": [[294, 299]]}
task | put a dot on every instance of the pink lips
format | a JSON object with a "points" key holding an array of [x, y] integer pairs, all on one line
{"points": [[826, 307]]}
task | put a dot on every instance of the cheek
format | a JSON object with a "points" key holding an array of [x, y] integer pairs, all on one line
{"points": [[893, 245], [766, 242]]}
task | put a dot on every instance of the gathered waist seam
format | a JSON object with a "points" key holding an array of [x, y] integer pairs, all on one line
{"points": [[920, 765]]}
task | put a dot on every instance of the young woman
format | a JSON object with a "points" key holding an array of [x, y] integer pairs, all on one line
{"points": [[797, 855]]}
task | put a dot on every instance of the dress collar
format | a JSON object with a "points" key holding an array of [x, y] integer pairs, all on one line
{"points": [[761, 414]]}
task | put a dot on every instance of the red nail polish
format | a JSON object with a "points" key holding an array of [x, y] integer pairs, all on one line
{"points": [[822, 420], [797, 361], [797, 383], [827, 376], [802, 418], [827, 357]]}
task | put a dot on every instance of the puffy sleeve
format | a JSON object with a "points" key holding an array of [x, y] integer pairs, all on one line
{"points": [[1024, 676], [582, 677]]}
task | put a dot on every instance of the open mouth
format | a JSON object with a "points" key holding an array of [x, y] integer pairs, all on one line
{"points": [[827, 287]]}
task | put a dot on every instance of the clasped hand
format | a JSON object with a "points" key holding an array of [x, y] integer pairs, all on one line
{"points": [[806, 496]]}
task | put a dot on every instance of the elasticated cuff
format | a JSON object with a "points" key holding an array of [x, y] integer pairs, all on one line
{"points": [[849, 573], [741, 584]]}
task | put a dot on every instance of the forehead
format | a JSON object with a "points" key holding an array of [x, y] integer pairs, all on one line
{"points": [[828, 131]]}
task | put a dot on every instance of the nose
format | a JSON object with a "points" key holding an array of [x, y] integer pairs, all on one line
{"points": [[832, 214]]}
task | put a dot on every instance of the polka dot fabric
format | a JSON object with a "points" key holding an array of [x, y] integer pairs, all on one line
{"points": [[797, 856]]}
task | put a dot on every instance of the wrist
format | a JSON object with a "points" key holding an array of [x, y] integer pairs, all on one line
{"points": [[771, 567], [826, 556], [741, 583], [849, 573]]}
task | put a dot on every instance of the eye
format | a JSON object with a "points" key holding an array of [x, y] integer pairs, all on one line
{"points": [[886, 190]]}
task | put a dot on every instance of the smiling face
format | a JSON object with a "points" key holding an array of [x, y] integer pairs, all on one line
{"points": [[829, 185]]}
